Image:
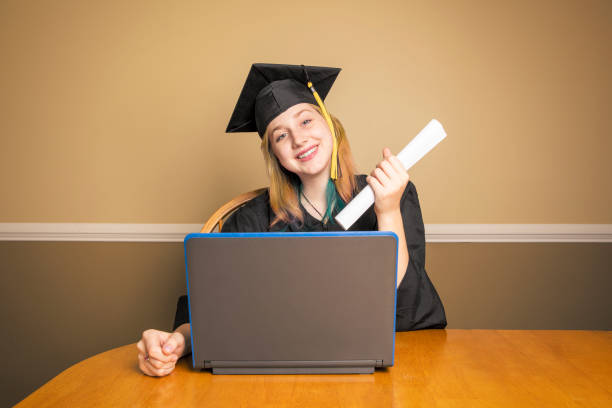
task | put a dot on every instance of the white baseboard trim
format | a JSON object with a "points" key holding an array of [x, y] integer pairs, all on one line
{"points": [[96, 232], [177, 232]]}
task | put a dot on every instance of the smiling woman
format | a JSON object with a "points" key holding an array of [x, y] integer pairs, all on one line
{"points": [[312, 177], [290, 132]]}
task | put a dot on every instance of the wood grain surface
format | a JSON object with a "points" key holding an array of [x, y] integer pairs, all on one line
{"points": [[433, 368]]}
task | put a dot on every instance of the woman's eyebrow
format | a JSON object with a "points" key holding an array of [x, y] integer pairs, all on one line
{"points": [[300, 112], [294, 116]]}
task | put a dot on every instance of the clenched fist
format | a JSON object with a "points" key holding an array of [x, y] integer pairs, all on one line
{"points": [[159, 351]]}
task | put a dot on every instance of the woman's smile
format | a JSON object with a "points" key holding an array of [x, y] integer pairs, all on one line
{"points": [[308, 153]]}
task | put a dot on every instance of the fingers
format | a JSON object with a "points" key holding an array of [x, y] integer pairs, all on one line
{"points": [[388, 181], [397, 165], [388, 169], [149, 368], [156, 363], [175, 344], [140, 346], [379, 174], [375, 184], [392, 168], [153, 341], [151, 359]]}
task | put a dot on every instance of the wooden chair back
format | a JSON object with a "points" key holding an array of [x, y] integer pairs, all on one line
{"points": [[215, 222]]}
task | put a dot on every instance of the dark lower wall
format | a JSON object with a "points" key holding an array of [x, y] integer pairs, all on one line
{"points": [[65, 301], [524, 286]]}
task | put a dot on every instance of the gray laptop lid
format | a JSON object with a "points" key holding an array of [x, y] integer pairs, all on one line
{"points": [[292, 302]]}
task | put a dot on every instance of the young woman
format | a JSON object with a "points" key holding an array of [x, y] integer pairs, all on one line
{"points": [[312, 177]]}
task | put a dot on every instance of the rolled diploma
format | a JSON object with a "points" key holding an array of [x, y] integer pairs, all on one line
{"points": [[427, 139]]}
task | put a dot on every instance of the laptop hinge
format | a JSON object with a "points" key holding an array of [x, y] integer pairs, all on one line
{"points": [[379, 363], [292, 367], [290, 363]]}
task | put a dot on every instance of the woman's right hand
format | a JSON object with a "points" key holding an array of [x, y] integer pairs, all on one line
{"points": [[159, 351]]}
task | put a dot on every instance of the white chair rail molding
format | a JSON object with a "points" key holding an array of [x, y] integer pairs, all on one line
{"points": [[108, 232]]}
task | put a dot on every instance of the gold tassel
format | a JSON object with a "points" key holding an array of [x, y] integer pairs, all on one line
{"points": [[334, 162]]}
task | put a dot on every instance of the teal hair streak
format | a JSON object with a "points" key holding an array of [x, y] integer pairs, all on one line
{"points": [[334, 201]]}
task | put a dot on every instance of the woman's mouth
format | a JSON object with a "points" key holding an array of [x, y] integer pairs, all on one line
{"points": [[306, 155]]}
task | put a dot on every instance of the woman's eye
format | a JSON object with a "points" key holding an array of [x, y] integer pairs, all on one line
{"points": [[306, 121], [280, 137]]}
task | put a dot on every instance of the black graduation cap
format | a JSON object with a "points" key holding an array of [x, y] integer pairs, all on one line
{"points": [[271, 89]]}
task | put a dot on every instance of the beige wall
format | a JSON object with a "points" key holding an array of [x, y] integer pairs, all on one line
{"points": [[115, 111]]}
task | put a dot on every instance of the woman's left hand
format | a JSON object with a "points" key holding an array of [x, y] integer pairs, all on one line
{"points": [[388, 181]]}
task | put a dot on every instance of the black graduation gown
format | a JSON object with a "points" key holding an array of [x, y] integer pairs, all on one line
{"points": [[418, 303]]}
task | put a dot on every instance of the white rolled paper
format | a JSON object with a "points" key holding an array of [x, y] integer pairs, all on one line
{"points": [[427, 139]]}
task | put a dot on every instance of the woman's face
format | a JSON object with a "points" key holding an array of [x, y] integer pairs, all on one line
{"points": [[301, 141]]}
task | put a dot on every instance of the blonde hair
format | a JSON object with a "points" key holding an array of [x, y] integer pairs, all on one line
{"points": [[283, 183]]}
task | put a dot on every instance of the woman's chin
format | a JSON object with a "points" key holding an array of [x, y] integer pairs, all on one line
{"points": [[312, 172]]}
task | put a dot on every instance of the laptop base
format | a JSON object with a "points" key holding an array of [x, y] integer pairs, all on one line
{"points": [[293, 370]]}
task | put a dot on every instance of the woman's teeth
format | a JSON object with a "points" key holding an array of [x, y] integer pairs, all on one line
{"points": [[301, 156]]}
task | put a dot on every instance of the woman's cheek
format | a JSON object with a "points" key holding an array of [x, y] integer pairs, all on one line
{"points": [[286, 161]]}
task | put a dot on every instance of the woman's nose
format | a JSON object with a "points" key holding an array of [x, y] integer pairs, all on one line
{"points": [[300, 138]]}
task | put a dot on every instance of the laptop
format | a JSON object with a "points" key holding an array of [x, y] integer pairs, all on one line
{"points": [[292, 303]]}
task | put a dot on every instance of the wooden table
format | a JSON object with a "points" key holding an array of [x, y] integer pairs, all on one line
{"points": [[451, 368]]}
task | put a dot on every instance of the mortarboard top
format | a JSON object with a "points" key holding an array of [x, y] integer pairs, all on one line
{"points": [[271, 89]]}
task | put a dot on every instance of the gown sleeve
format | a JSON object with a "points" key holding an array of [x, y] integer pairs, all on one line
{"points": [[418, 303], [182, 312], [252, 217]]}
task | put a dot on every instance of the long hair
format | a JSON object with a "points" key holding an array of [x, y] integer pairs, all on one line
{"points": [[284, 185]]}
